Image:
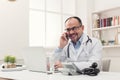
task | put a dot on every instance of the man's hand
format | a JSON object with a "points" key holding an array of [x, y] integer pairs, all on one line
{"points": [[58, 64], [63, 40]]}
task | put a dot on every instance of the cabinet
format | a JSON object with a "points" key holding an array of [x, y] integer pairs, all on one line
{"points": [[106, 27]]}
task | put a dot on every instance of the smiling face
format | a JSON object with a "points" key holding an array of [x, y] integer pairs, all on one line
{"points": [[74, 29]]}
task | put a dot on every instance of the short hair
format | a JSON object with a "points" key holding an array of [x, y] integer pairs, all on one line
{"points": [[79, 20]]}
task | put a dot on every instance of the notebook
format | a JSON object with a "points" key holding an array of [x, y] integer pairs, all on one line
{"points": [[35, 59]]}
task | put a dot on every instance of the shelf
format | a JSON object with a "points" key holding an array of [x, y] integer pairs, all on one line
{"points": [[109, 19], [111, 46], [105, 28]]}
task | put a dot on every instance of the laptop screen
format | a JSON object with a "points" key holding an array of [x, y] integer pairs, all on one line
{"points": [[35, 58]]}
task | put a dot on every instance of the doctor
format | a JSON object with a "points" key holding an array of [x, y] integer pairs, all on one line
{"points": [[77, 47]]}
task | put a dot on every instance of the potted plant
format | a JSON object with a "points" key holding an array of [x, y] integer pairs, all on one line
{"points": [[6, 60], [12, 61], [103, 42]]}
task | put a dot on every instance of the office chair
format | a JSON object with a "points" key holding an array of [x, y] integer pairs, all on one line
{"points": [[106, 65]]}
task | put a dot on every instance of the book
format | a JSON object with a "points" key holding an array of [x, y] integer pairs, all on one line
{"points": [[104, 22]]}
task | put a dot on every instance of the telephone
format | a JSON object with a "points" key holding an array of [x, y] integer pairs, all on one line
{"points": [[92, 70], [72, 69], [67, 36]]}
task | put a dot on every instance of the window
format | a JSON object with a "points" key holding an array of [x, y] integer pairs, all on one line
{"points": [[53, 29], [47, 20], [37, 28]]}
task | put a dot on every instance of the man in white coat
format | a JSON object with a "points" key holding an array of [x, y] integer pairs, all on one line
{"points": [[77, 47]]}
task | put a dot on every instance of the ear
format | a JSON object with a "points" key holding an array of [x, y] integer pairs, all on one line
{"points": [[82, 27]]}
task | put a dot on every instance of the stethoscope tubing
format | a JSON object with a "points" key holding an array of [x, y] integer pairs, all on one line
{"points": [[68, 51]]}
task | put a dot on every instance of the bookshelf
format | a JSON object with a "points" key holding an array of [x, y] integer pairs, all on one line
{"points": [[111, 46], [106, 27]]}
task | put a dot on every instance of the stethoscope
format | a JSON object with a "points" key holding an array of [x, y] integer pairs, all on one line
{"points": [[68, 51]]}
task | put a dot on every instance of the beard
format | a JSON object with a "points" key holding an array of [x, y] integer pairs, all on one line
{"points": [[74, 37]]}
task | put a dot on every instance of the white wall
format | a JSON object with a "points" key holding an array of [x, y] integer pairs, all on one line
{"points": [[13, 27], [82, 12], [105, 4], [84, 9]]}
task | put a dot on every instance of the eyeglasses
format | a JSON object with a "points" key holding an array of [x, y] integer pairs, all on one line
{"points": [[73, 28]]}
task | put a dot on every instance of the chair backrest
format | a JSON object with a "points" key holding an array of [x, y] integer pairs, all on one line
{"points": [[106, 65]]}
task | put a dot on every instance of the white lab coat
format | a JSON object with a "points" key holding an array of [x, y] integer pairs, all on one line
{"points": [[87, 54]]}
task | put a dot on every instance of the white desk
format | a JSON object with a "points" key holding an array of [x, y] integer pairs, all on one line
{"points": [[27, 75]]}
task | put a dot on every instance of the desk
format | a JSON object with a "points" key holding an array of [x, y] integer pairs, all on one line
{"points": [[27, 75]]}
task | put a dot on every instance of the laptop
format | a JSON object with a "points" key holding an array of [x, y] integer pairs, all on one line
{"points": [[35, 59]]}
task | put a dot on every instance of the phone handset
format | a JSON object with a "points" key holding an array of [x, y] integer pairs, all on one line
{"points": [[67, 36]]}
